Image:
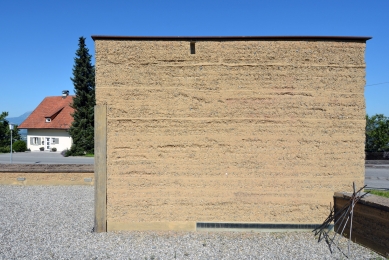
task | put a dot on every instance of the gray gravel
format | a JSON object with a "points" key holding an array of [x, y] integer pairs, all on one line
{"points": [[55, 222]]}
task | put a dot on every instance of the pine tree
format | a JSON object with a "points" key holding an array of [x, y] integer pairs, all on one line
{"points": [[82, 128]]}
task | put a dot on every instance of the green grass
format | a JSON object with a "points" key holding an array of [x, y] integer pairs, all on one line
{"points": [[380, 193], [89, 155]]}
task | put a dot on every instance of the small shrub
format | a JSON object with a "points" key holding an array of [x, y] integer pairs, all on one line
{"points": [[19, 146], [53, 149], [74, 151], [68, 153], [5, 149], [41, 148], [64, 152]]}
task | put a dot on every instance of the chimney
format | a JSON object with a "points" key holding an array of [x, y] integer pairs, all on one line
{"points": [[65, 93]]}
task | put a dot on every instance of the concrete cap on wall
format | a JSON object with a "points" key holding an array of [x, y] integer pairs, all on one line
{"points": [[234, 38]]}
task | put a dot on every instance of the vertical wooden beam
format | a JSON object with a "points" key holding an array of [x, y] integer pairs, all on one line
{"points": [[100, 168]]}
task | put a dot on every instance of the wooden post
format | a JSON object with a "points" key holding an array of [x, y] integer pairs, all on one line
{"points": [[100, 168]]}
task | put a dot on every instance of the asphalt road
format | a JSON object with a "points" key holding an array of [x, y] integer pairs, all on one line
{"points": [[44, 158], [377, 177]]}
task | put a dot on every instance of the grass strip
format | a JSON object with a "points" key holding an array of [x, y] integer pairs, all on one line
{"points": [[381, 193]]}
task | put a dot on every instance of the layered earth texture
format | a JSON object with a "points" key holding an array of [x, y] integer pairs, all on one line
{"points": [[230, 130]]}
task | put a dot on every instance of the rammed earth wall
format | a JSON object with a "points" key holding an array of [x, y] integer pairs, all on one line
{"points": [[254, 130]]}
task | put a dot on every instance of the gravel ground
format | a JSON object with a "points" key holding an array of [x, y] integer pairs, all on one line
{"points": [[55, 222]]}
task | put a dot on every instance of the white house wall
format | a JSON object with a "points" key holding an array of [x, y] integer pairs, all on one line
{"points": [[62, 139]]}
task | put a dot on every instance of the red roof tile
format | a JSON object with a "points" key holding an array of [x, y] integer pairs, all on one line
{"points": [[56, 108], [53, 112]]}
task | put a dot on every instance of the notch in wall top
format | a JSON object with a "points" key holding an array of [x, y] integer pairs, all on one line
{"points": [[192, 47]]}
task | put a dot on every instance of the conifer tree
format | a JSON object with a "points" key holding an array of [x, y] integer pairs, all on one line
{"points": [[82, 128]]}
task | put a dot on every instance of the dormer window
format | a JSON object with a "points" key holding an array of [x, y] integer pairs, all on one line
{"points": [[52, 114]]}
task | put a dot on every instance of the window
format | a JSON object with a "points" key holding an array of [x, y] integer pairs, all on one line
{"points": [[35, 140], [48, 119]]}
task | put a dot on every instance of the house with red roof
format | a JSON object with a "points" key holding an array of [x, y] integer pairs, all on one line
{"points": [[48, 125]]}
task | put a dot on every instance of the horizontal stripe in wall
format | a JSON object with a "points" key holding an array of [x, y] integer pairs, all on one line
{"points": [[200, 225]]}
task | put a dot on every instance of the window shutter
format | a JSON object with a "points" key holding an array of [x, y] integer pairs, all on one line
{"points": [[39, 141], [31, 140], [56, 140]]}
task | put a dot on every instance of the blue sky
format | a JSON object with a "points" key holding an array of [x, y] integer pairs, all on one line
{"points": [[38, 39]]}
